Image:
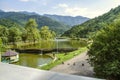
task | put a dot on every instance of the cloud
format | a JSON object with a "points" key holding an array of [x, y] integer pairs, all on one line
{"points": [[28, 0], [75, 11], [10, 9], [63, 5], [24, 0], [79, 11], [72, 11]]}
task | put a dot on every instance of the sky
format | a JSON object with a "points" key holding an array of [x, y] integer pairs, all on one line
{"points": [[86, 8]]}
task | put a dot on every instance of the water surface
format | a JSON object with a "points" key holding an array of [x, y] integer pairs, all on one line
{"points": [[35, 60]]}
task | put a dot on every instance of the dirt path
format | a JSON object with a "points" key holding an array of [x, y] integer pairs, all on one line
{"points": [[76, 66]]}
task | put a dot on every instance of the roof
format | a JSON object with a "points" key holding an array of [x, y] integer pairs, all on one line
{"points": [[10, 53], [15, 72]]}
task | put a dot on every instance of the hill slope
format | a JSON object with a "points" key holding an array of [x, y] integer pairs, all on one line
{"points": [[21, 19], [93, 25], [69, 20]]}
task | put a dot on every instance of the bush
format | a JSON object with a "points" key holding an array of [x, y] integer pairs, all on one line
{"points": [[104, 53]]}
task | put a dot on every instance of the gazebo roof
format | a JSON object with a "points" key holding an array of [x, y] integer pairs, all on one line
{"points": [[10, 53]]}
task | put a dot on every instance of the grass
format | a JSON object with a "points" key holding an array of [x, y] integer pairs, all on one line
{"points": [[19, 44], [62, 57]]}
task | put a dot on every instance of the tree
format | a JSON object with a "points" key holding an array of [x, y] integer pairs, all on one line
{"points": [[14, 35], [46, 33], [24, 35], [104, 52], [4, 34], [0, 48], [32, 31], [1, 44]]}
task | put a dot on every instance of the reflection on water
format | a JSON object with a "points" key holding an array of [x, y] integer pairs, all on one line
{"points": [[33, 60], [60, 43]]}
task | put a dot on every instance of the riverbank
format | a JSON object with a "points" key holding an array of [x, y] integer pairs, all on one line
{"points": [[62, 57], [76, 66], [19, 44]]}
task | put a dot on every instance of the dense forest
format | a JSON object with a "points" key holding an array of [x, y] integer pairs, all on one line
{"points": [[19, 18], [105, 51], [88, 28], [68, 20], [29, 33]]}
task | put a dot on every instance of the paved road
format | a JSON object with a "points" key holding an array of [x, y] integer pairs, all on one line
{"points": [[77, 66]]}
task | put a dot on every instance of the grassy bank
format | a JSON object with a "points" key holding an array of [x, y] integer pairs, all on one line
{"points": [[19, 44], [62, 57]]}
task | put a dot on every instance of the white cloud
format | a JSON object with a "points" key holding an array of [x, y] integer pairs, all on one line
{"points": [[116, 1], [87, 11], [63, 5], [24, 0], [72, 11], [10, 9], [80, 11], [28, 0], [75, 11]]}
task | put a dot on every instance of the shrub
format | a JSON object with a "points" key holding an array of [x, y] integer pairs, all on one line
{"points": [[104, 53]]}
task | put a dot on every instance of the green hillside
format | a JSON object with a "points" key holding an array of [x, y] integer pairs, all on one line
{"points": [[21, 19], [68, 20], [91, 26]]}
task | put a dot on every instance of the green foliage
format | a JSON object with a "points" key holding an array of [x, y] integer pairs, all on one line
{"points": [[24, 34], [1, 43], [68, 20], [88, 28], [14, 35], [63, 58], [12, 19], [104, 53], [46, 33], [4, 34], [32, 31], [8, 23], [2, 46]]}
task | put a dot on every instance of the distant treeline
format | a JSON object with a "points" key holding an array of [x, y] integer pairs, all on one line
{"points": [[28, 33]]}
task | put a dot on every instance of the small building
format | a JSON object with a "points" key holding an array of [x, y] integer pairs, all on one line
{"points": [[10, 57]]}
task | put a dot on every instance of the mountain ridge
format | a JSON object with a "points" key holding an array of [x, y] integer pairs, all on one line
{"points": [[69, 20], [90, 27], [21, 19]]}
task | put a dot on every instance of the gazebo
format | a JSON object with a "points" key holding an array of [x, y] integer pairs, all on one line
{"points": [[10, 56]]}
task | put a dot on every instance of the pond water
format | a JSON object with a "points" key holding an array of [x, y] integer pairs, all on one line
{"points": [[35, 60], [58, 43]]}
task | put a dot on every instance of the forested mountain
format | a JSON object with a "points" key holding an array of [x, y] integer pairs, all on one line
{"points": [[69, 20], [8, 23], [28, 13], [91, 26], [21, 19]]}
